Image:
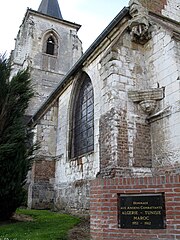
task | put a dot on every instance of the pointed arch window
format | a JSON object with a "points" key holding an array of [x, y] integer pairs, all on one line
{"points": [[50, 43], [83, 125]]}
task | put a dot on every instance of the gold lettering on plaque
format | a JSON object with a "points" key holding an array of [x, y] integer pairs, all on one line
{"points": [[141, 218], [130, 213]]}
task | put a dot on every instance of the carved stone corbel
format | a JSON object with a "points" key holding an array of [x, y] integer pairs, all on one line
{"points": [[147, 99], [139, 25], [148, 106]]}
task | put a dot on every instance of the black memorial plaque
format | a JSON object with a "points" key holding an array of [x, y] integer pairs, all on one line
{"points": [[144, 211]]}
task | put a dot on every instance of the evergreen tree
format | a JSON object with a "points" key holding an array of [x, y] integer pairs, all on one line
{"points": [[15, 148]]}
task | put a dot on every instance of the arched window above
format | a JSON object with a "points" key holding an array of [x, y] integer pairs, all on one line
{"points": [[83, 124], [50, 45]]}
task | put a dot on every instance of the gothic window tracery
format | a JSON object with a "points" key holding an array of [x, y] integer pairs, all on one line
{"points": [[83, 126]]}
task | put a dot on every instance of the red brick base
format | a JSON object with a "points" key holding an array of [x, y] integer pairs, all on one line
{"points": [[104, 207]]}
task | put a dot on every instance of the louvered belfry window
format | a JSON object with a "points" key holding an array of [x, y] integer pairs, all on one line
{"points": [[84, 119], [50, 46]]}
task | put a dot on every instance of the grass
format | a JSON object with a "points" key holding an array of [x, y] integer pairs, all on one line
{"points": [[46, 226]]}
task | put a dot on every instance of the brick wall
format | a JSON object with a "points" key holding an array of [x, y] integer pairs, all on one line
{"points": [[104, 207], [154, 5], [142, 146], [168, 8], [42, 196], [44, 170], [113, 140]]}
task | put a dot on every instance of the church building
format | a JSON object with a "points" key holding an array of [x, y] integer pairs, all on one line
{"points": [[107, 120]]}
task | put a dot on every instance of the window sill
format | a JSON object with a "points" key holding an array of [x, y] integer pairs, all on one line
{"points": [[49, 55], [81, 156]]}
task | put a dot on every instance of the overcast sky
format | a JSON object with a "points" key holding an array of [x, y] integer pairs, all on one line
{"points": [[93, 15]]}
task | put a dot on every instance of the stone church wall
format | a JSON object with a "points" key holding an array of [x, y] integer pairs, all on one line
{"points": [[128, 140], [111, 77], [29, 42], [73, 176], [149, 140], [136, 117], [124, 133], [46, 70], [42, 176], [172, 10], [163, 71]]}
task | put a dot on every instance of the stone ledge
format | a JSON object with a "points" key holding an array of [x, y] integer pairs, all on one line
{"points": [[147, 98], [147, 94]]}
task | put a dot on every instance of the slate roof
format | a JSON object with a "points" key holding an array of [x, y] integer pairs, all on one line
{"points": [[50, 8]]}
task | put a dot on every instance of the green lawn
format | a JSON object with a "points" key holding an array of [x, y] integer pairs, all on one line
{"points": [[46, 226]]}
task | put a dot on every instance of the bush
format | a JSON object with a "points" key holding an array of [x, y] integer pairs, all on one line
{"points": [[15, 138]]}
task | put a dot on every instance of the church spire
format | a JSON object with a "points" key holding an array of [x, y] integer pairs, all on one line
{"points": [[51, 8]]}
